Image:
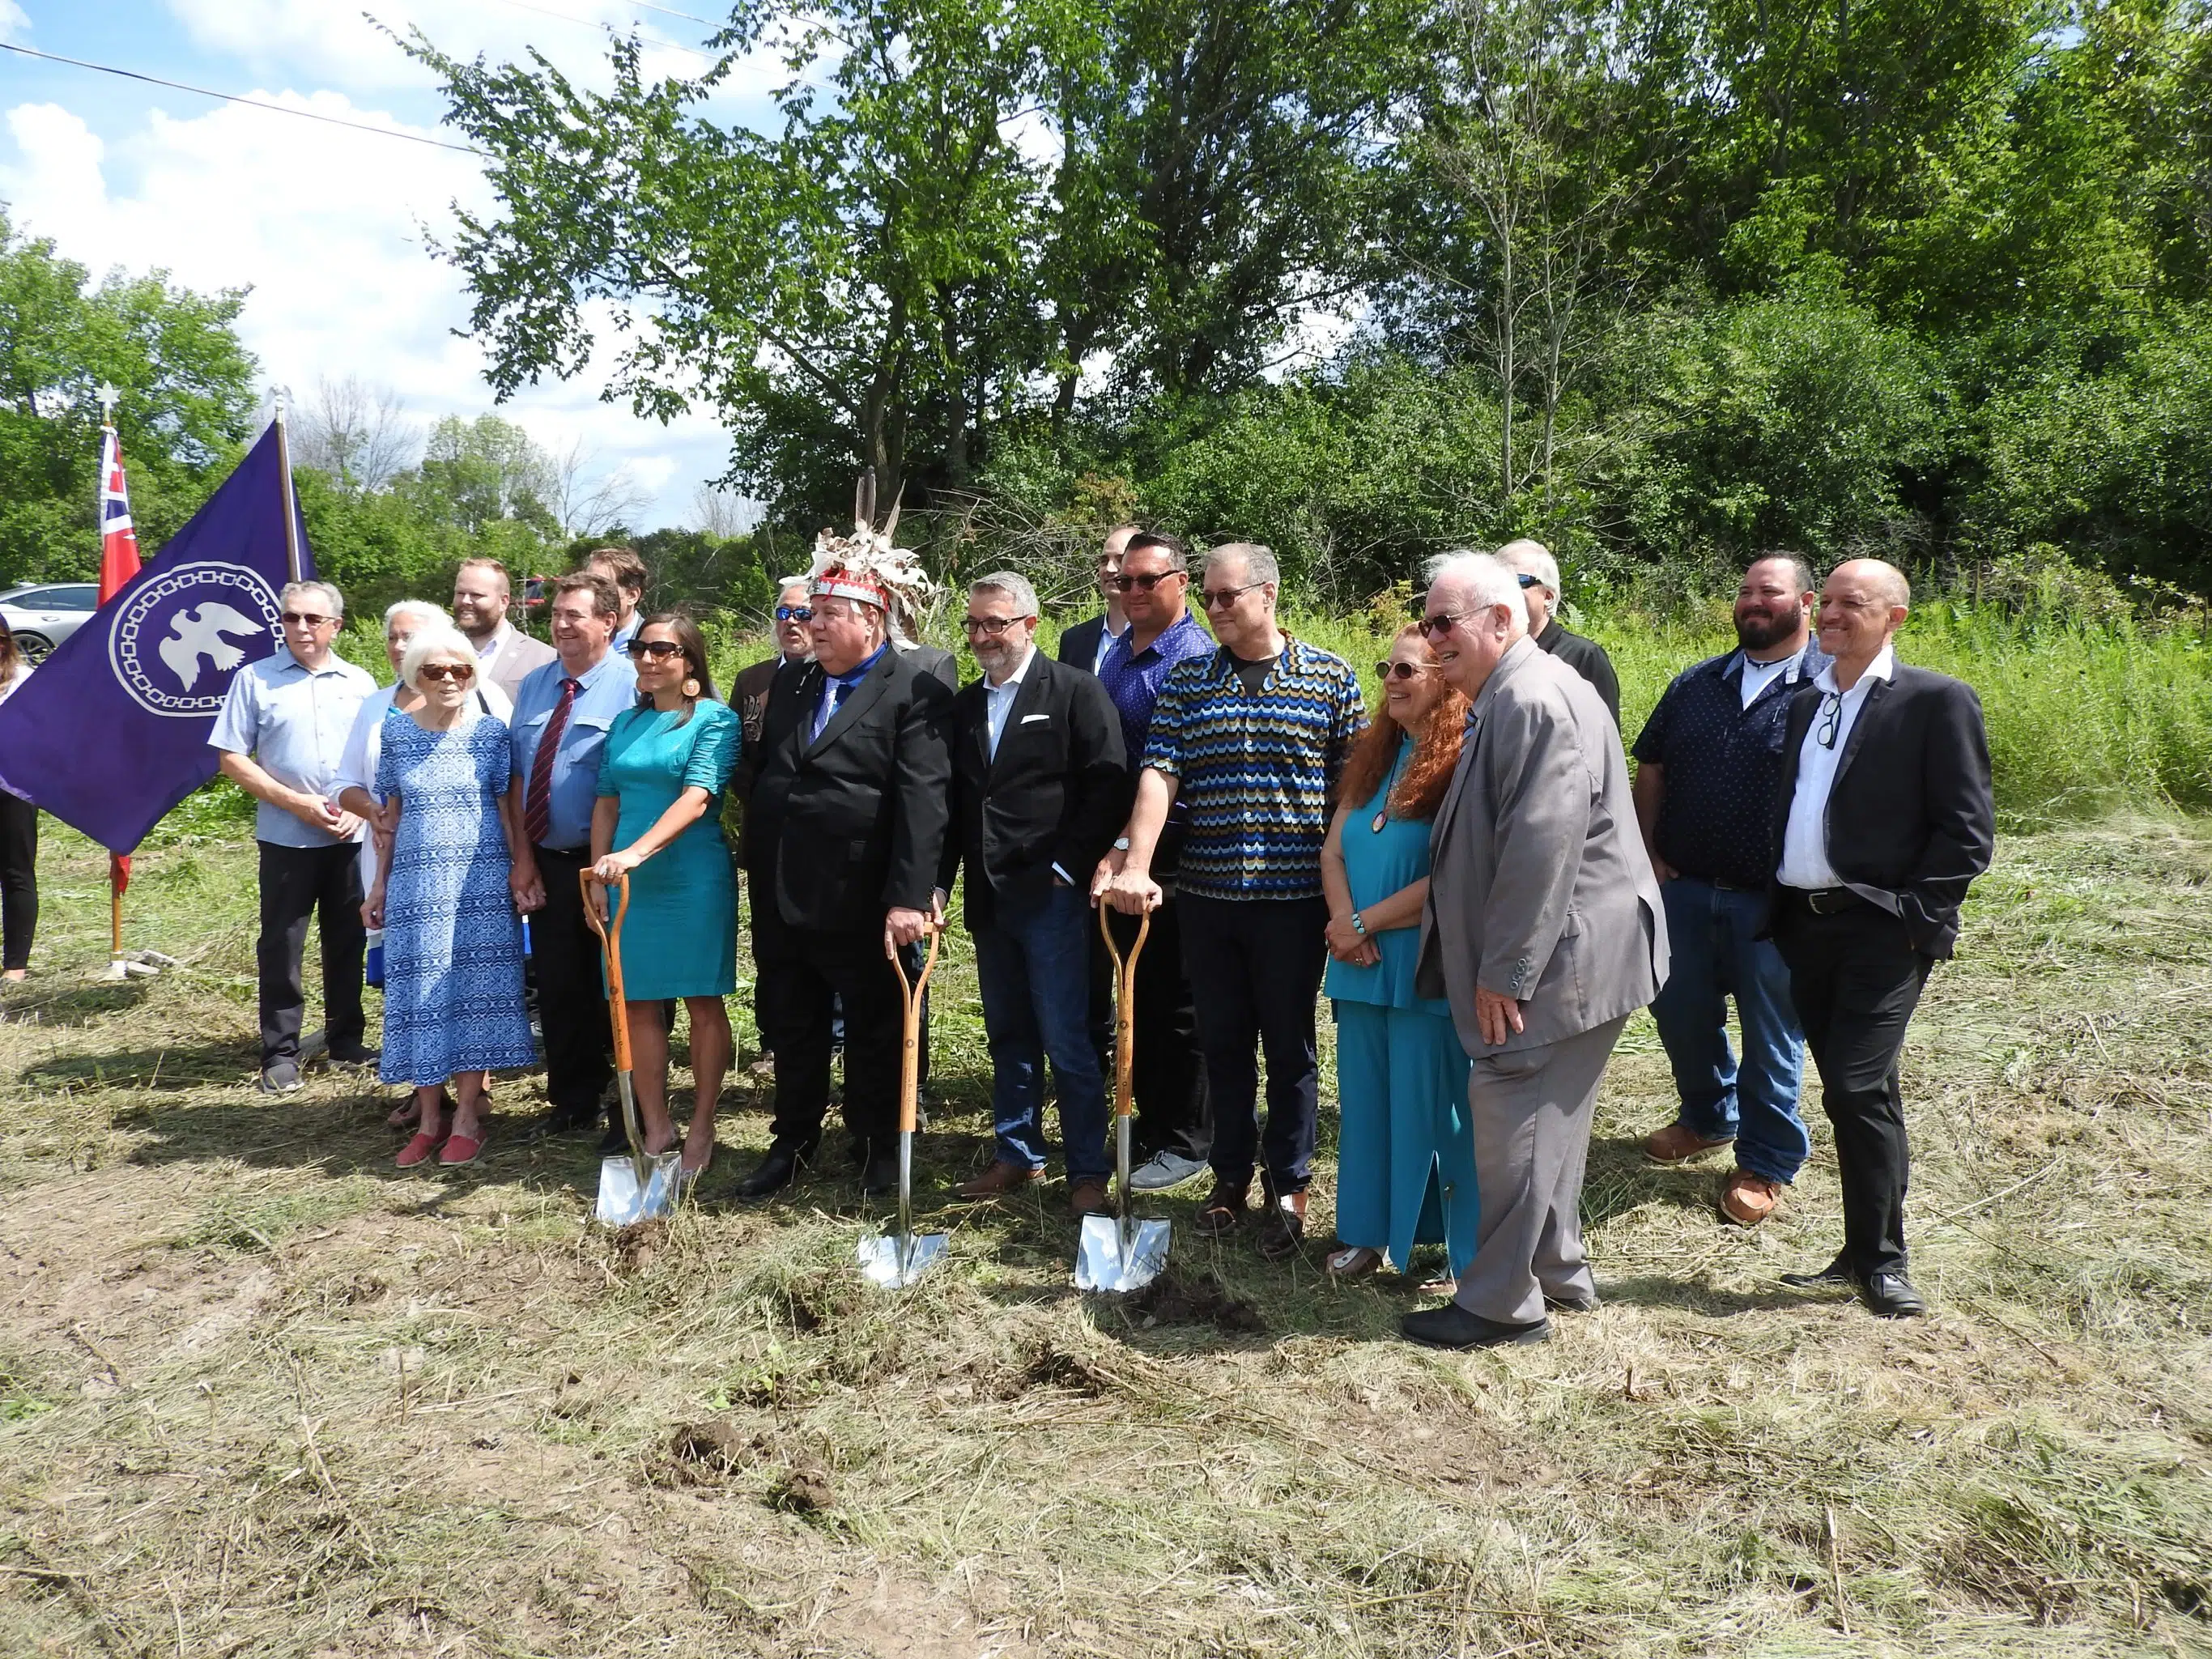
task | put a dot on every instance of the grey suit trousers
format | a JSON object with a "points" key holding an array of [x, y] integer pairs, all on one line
{"points": [[1531, 1109]]}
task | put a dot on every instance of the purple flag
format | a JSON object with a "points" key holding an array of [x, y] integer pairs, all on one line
{"points": [[111, 730]]}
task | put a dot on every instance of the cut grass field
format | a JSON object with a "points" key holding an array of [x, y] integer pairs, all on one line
{"points": [[261, 1394]]}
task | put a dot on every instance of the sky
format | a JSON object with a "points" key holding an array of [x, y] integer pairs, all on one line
{"points": [[328, 228]]}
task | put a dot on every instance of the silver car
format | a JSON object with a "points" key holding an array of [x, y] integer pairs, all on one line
{"points": [[42, 617]]}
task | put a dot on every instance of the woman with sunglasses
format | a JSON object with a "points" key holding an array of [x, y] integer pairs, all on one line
{"points": [[1404, 1148], [452, 942], [658, 821]]}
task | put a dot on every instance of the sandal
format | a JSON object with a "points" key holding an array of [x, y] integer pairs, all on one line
{"points": [[1354, 1262], [418, 1150]]}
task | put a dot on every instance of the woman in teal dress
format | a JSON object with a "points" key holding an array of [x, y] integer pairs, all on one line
{"points": [[658, 821], [1405, 1146]]}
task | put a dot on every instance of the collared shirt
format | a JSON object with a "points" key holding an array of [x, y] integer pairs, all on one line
{"points": [[1256, 770], [488, 653], [835, 688], [1133, 682], [1805, 837], [1107, 640], [999, 701], [626, 632], [1721, 755], [294, 722], [608, 686]]}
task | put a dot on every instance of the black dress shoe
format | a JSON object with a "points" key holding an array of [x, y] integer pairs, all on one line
{"points": [[1453, 1327], [615, 1141], [1571, 1303], [1892, 1297], [354, 1053], [1837, 1275], [776, 1171], [879, 1175], [559, 1121]]}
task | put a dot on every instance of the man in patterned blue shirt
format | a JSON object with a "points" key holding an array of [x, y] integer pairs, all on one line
{"points": [[1249, 741], [1708, 764]]}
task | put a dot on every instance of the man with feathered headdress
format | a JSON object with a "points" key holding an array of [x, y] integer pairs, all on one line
{"points": [[844, 828]]}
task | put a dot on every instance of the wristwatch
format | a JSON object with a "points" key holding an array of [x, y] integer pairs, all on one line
{"points": [[1359, 925]]}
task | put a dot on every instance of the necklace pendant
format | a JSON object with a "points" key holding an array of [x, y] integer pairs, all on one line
{"points": [[1377, 826]]}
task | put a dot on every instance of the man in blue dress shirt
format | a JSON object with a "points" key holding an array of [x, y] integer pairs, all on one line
{"points": [[562, 713]]}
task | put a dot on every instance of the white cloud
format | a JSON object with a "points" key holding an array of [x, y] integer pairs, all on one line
{"points": [[13, 22]]}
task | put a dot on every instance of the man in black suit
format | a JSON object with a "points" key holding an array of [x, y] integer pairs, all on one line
{"points": [[844, 829], [1040, 788], [1540, 588], [1086, 645], [1884, 818]]}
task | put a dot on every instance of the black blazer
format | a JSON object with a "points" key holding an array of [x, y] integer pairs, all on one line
{"points": [[1910, 819], [1587, 659], [935, 661], [1057, 793], [1079, 644], [840, 830]]}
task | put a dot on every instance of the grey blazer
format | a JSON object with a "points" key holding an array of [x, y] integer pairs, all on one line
{"points": [[1538, 886]]}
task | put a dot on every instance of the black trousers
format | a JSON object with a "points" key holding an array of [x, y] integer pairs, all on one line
{"points": [[572, 990], [1167, 1077], [801, 970], [298, 882], [1260, 962], [19, 878], [1855, 979]]}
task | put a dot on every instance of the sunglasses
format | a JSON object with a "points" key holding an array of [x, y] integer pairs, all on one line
{"points": [[1524, 579], [447, 670], [659, 650], [1435, 627], [993, 626], [306, 619], [1214, 597], [1400, 671], [795, 613], [1142, 584]]}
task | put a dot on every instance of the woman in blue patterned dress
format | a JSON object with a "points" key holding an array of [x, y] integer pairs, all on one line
{"points": [[658, 821], [1405, 1146], [452, 942]]}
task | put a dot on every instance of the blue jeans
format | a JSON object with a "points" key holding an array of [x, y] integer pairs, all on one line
{"points": [[1033, 964], [1714, 956]]}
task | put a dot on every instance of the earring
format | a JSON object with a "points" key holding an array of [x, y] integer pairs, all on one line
{"points": [[692, 687]]}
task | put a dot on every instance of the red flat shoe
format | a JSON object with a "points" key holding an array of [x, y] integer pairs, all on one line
{"points": [[418, 1150], [465, 1146]]}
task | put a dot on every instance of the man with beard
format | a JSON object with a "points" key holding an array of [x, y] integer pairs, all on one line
{"points": [[505, 657], [1707, 765]]}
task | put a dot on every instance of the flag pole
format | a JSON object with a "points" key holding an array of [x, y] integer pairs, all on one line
{"points": [[291, 510], [118, 864]]}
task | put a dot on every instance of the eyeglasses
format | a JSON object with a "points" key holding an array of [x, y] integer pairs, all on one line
{"points": [[1142, 584], [306, 619], [1214, 597], [447, 670], [993, 626], [1400, 671], [795, 613], [1831, 718], [659, 650], [1435, 627]]}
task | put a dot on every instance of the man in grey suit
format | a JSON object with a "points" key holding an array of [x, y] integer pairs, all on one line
{"points": [[1544, 931]]}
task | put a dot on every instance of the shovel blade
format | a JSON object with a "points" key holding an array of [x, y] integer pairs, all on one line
{"points": [[624, 1201], [1102, 1262], [892, 1263]]}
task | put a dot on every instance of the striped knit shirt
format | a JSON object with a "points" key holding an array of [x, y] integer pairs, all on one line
{"points": [[1256, 772]]}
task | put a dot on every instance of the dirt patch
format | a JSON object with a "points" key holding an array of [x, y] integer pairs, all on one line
{"points": [[1201, 1301]]}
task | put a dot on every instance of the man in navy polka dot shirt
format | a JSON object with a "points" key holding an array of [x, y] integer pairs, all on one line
{"points": [[1708, 761]]}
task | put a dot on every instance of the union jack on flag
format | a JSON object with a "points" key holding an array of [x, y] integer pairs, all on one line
{"points": [[118, 542]]}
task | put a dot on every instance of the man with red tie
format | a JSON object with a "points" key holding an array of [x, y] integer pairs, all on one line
{"points": [[562, 713]]}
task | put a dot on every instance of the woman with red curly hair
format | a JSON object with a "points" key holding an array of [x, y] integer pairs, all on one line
{"points": [[1404, 1148]]}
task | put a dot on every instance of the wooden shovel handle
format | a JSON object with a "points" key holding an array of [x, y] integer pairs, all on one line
{"points": [[1125, 1004], [910, 1048], [611, 942]]}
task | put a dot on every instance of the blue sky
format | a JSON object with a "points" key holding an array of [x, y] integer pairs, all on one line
{"points": [[324, 225]]}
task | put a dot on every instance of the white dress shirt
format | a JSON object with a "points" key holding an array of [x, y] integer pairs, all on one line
{"points": [[1107, 636], [998, 701], [1758, 676], [1805, 837]]}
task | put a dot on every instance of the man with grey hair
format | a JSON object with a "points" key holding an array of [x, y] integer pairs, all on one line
{"points": [[1539, 574], [282, 734], [1039, 790], [1543, 931]]}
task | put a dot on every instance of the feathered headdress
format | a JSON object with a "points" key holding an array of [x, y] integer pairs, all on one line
{"points": [[865, 565]]}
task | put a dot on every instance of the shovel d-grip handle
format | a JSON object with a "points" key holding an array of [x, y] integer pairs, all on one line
{"points": [[611, 942], [1125, 1003], [910, 1047]]}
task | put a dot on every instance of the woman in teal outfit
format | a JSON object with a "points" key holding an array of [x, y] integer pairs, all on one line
{"points": [[1405, 1146], [658, 821]]}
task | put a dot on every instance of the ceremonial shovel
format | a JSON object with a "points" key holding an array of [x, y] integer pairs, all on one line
{"points": [[895, 1263], [1117, 1252], [643, 1185]]}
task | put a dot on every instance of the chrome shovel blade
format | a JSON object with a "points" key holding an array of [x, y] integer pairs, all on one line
{"points": [[1109, 1258], [892, 1263], [625, 1201]]}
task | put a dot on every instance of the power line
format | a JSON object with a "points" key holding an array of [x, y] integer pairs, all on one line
{"points": [[233, 98]]}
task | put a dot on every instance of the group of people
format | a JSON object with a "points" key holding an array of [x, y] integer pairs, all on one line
{"points": [[1470, 876]]}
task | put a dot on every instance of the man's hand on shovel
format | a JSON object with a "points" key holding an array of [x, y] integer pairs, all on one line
{"points": [[1133, 892], [904, 927]]}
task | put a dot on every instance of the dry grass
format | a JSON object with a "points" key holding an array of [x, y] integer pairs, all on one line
{"points": [[262, 1395]]}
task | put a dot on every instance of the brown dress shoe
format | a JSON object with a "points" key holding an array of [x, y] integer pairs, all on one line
{"points": [[1000, 1179], [1748, 1199], [1218, 1216], [1089, 1198], [1283, 1231], [1678, 1142]]}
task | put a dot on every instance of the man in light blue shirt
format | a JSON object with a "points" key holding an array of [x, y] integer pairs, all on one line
{"points": [[562, 713], [283, 732]]}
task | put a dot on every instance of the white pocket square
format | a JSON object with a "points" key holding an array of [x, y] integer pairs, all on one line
{"points": [[1026, 718]]}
